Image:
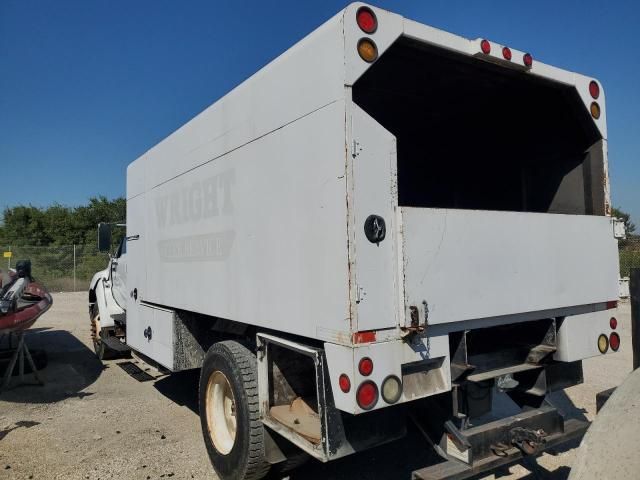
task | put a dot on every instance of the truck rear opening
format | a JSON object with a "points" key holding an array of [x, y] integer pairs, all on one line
{"points": [[477, 135], [485, 151]]}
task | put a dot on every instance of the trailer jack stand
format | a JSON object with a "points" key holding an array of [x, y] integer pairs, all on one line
{"points": [[18, 357]]}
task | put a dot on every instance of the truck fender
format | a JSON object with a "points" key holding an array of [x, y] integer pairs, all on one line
{"points": [[101, 275], [100, 293]]}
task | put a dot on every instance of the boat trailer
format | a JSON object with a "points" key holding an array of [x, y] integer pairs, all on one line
{"points": [[22, 302]]}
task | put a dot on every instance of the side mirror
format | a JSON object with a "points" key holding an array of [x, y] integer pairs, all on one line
{"points": [[104, 237]]}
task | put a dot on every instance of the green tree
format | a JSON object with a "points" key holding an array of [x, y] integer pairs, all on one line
{"points": [[24, 225], [59, 225]]}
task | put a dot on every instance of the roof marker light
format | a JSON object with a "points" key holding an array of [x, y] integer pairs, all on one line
{"points": [[595, 110], [485, 46], [506, 53], [527, 59], [594, 89], [366, 20]]}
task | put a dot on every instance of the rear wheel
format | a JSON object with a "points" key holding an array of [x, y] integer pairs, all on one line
{"points": [[229, 412]]}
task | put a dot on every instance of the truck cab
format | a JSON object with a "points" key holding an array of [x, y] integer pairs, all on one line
{"points": [[108, 298]]}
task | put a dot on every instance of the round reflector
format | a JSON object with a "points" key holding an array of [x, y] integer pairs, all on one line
{"points": [[595, 110], [506, 53], [527, 59], [365, 367], [367, 395], [367, 50], [345, 383], [614, 341], [613, 323], [367, 20], [594, 89], [391, 389], [603, 343], [485, 46]]}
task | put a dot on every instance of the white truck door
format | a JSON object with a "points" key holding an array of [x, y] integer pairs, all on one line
{"points": [[376, 262]]}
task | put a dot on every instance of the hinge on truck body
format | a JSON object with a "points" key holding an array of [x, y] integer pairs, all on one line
{"points": [[355, 148], [619, 231]]}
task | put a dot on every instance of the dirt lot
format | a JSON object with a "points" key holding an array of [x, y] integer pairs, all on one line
{"points": [[96, 422]]}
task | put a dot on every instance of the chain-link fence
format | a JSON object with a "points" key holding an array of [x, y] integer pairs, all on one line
{"points": [[65, 268], [629, 254]]}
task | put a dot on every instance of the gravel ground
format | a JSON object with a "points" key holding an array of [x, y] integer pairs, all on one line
{"points": [[93, 421]]}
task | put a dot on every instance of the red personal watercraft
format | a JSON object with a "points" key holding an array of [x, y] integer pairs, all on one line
{"points": [[22, 300]]}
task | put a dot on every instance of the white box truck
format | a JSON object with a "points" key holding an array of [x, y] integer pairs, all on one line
{"points": [[387, 224]]}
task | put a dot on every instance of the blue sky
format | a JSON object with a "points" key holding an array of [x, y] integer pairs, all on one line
{"points": [[88, 86]]}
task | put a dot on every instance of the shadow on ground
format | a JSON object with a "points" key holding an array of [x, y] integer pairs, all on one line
{"points": [[181, 388], [71, 367]]}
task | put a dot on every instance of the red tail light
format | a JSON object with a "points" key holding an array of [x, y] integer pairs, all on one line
{"points": [[506, 53], [367, 395], [594, 89], [485, 46], [365, 367], [613, 323], [527, 59], [367, 20], [614, 341], [345, 383]]}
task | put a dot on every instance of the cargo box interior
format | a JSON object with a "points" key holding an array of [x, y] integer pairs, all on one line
{"points": [[477, 135]]}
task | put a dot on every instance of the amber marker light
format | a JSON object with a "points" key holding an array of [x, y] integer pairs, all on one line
{"points": [[367, 50]]}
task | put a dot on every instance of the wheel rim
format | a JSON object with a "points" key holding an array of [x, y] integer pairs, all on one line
{"points": [[221, 412]]}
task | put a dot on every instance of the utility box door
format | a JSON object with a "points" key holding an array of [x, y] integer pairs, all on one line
{"points": [[151, 332], [471, 264]]}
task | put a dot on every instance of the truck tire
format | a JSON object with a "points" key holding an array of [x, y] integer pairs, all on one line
{"points": [[229, 412], [102, 351]]}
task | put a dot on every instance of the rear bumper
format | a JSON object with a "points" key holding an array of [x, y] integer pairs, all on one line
{"points": [[483, 438]]}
